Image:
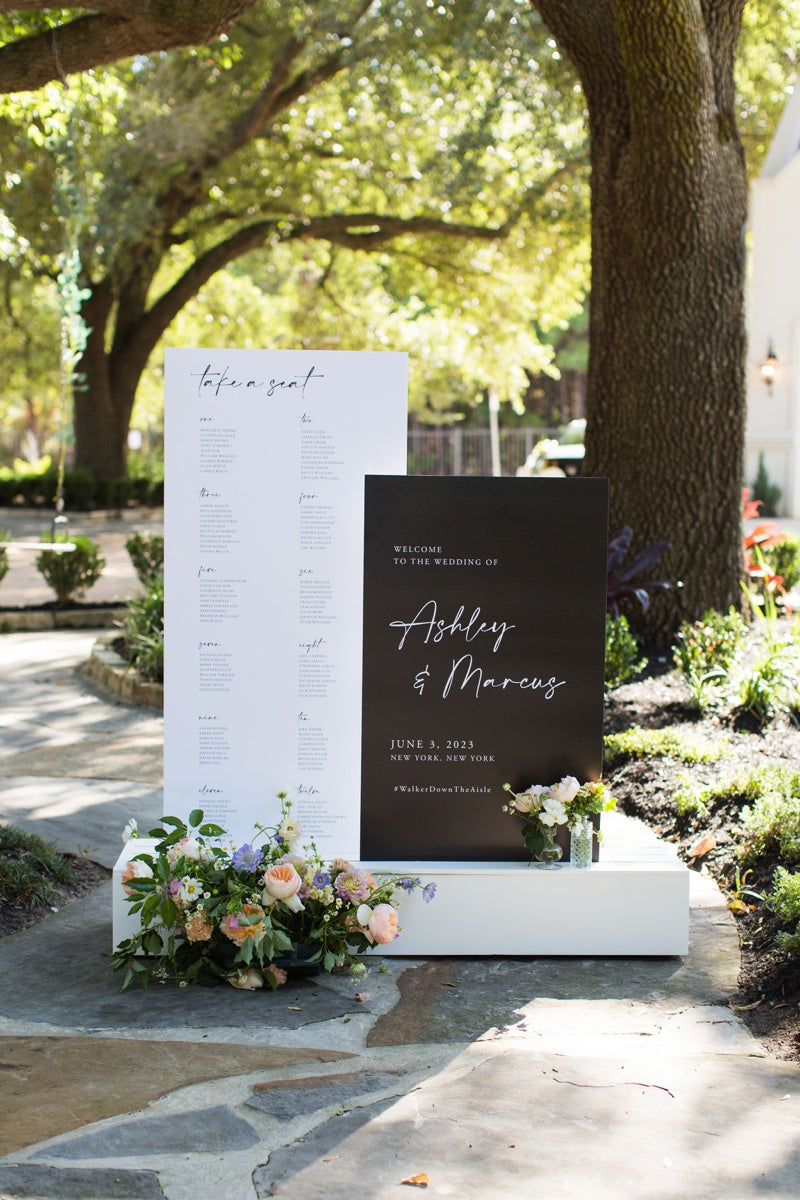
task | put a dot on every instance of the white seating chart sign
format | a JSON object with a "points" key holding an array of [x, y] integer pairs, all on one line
{"points": [[266, 453]]}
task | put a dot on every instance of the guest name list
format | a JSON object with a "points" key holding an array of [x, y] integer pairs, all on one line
{"points": [[266, 454]]}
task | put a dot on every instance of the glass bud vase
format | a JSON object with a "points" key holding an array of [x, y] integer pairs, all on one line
{"points": [[551, 852], [580, 845]]}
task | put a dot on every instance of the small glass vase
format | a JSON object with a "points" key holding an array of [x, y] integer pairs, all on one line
{"points": [[580, 845], [550, 853]]}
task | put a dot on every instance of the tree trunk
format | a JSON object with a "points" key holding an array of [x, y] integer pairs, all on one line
{"points": [[101, 412], [665, 387]]}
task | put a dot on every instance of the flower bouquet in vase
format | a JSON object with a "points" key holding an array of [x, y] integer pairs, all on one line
{"points": [[567, 808], [210, 911]]}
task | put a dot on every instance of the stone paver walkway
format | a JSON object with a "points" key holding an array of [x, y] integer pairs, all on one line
{"points": [[496, 1079]]}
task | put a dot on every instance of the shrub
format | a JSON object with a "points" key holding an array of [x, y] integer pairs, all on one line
{"points": [[784, 900], [29, 868], [5, 536], [771, 685], [622, 649], [764, 490], [143, 631], [705, 651], [146, 552], [745, 788], [618, 583], [70, 573], [783, 558], [36, 486], [771, 823]]}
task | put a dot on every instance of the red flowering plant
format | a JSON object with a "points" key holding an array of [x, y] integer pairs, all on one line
{"points": [[765, 584], [210, 911]]}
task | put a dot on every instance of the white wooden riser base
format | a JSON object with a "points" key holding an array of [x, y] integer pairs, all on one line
{"points": [[634, 901]]}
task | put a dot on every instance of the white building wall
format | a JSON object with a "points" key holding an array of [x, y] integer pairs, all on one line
{"points": [[773, 316]]}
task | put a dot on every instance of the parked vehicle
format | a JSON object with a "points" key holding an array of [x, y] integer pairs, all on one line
{"points": [[557, 456]]}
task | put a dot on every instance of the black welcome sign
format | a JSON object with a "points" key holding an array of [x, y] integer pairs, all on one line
{"points": [[484, 616]]}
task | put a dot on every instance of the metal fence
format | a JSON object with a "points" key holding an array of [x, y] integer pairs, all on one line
{"points": [[459, 451]]}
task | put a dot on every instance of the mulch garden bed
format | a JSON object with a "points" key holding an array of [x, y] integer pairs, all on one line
{"points": [[88, 876], [768, 998]]}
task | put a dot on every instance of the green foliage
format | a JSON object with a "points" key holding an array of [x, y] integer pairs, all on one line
{"points": [[764, 490], [208, 912], [5, 536], [29, 868], [743, 788], [480, 109], [784, 900], [637, 742], [82, 490], [146, 552], [705, 651], [784, 559], [70, 573], [448, 110], [143, 630], [622, 652], [766, 69], [772, 684], [771, 823]]}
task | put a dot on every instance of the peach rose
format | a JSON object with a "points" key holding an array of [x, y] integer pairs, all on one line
{"points": [[382, 923], [239, 933], [275, 977], [135, 870], [282, 882], [198, 928]]}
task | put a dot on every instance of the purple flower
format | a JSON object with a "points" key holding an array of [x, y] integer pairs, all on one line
{"points": [[321, 879], [428, 892], [246, 858], [174, 887], [352, 885], [409, 884]]}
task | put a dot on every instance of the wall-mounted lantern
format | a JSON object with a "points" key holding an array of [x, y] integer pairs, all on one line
{"points": [[769, 367]]}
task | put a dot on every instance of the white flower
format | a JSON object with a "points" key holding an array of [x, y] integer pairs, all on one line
{"points": [[565, 790], [130, 831], [289, 830], [363, 914], [248, 979], [187, 848], [296, 860], [553, 813], [191, 890]]}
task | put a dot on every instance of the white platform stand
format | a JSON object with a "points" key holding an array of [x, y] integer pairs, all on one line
{"points": [[634, 901]]}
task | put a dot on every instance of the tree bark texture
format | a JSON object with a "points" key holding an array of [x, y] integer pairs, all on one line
{"points": [[665, 388], [112, 31], [101, 404]]}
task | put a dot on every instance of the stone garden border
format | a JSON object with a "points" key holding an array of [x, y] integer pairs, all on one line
{"points": [[32, 620], [113, 675]]}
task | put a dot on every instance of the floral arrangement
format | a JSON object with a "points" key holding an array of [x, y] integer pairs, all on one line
{"points": [[211, 911], [544, 809]]}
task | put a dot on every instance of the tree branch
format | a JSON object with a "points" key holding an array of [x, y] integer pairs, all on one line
{"points": [[356, 231], [279, 92], [112, 31]]}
